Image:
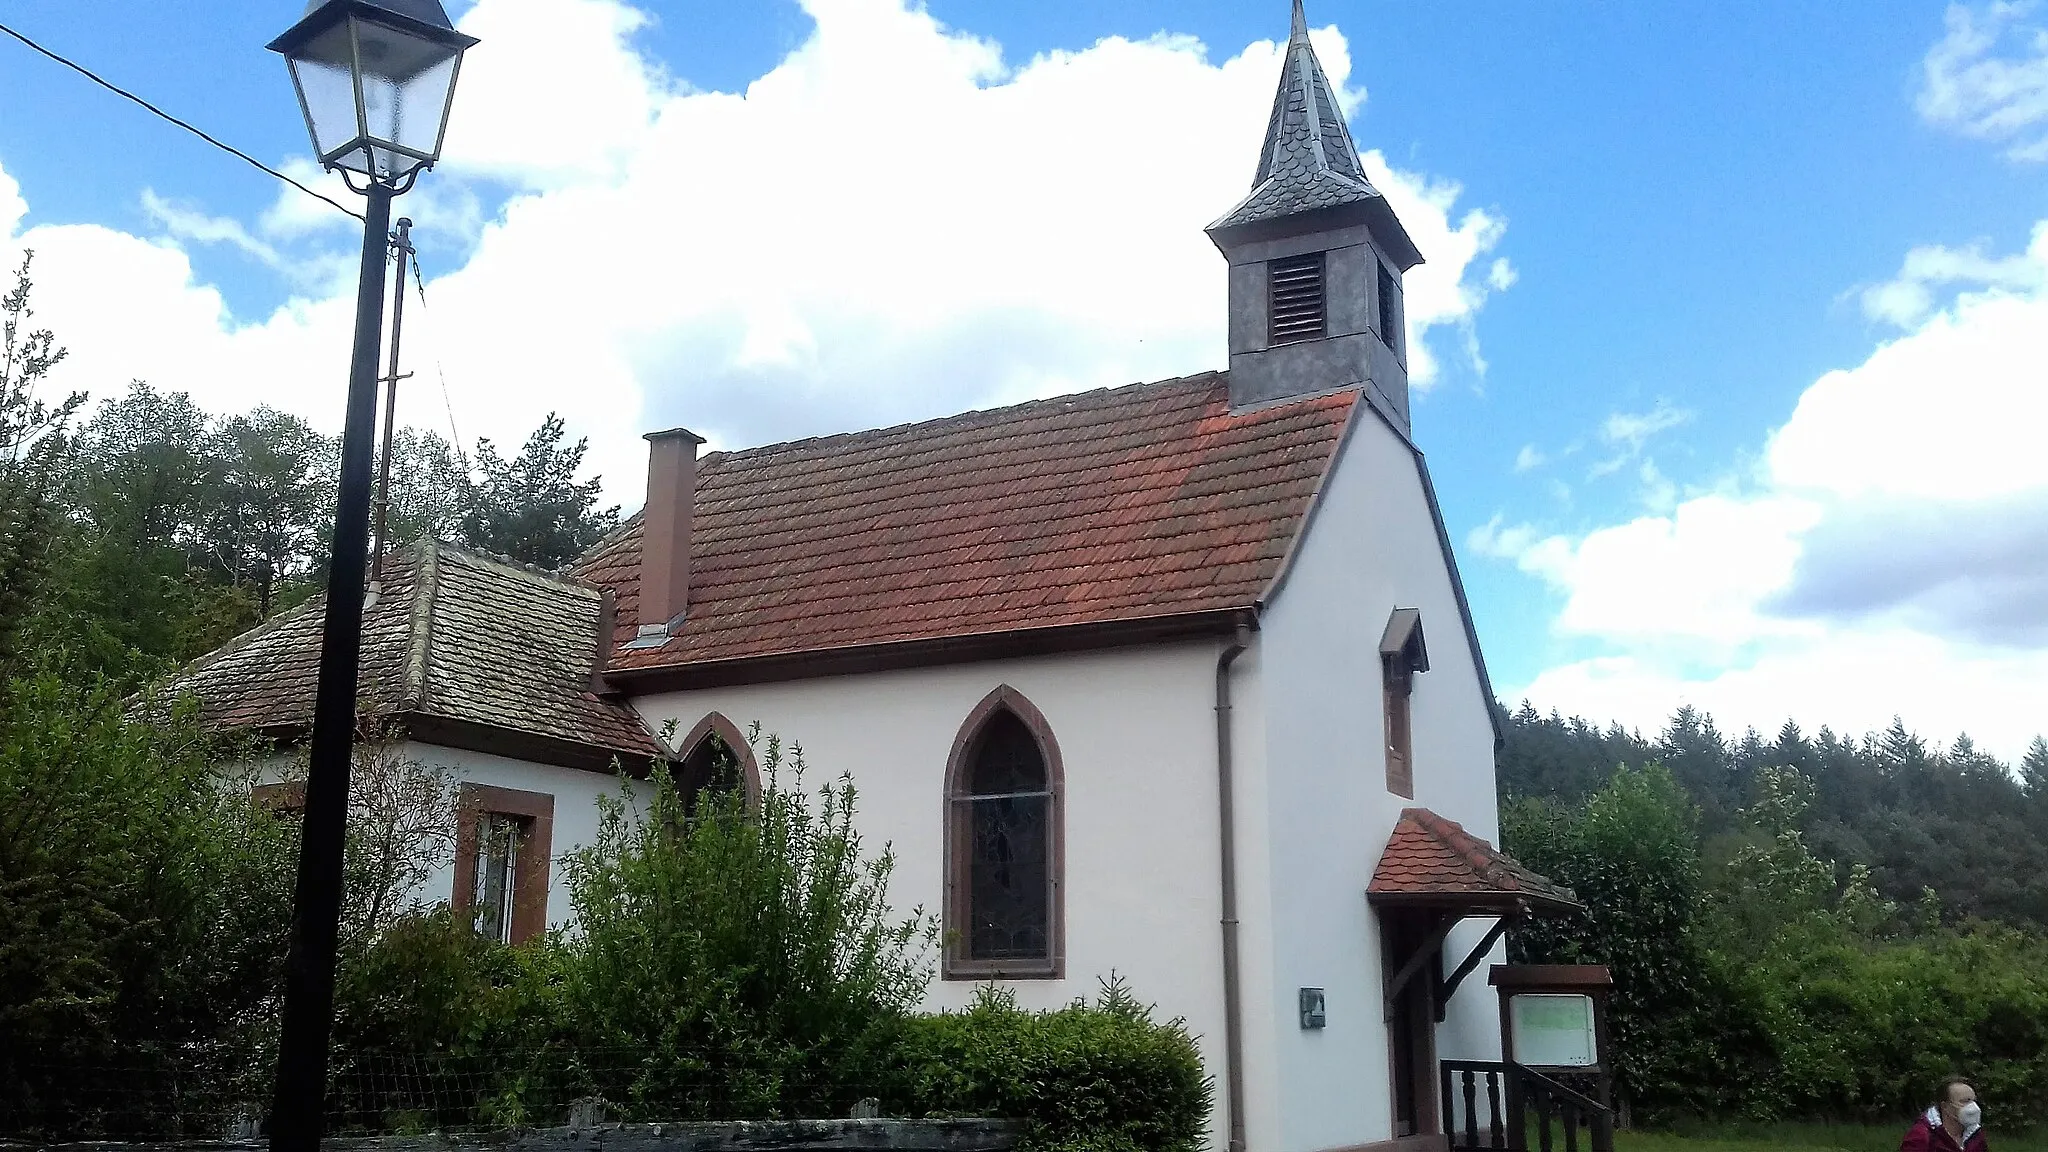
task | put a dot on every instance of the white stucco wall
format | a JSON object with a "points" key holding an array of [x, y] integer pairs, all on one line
{"points": [[1136, 733], [575, 790], [1372, 547], [576, 793]]}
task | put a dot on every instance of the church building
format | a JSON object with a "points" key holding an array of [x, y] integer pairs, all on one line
{"points": [[1176, 679]]}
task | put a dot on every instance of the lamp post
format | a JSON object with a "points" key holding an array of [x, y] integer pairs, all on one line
{"points": [[375, 80]]}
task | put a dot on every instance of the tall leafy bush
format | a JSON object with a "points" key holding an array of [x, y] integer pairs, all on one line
{"points": [[143, 914], [743, 952]]}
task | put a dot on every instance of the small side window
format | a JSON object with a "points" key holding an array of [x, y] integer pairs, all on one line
{"points": [[1402, 655], [285, 800], [1400, 749], [496, 889], [503, 837]]}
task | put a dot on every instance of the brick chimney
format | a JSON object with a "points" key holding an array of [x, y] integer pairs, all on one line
{"points": [[665, 532]]}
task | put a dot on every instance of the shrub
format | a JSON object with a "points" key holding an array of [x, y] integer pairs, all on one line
{"points": [[732, 958], [737, 957], [1631, 853], [143, 917], [438, 1025], [1101, 1077], [1766, 985]]}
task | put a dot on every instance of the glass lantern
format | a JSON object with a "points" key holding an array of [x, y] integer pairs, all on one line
{"points": [[376, 79]]}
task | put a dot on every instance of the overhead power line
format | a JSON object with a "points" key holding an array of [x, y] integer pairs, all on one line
{"points": [[228, 148], [420, 282]]}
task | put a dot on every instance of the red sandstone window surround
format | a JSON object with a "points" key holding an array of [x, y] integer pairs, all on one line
{"points": [[503, 838], [1402, 655], [287, 798], [716, 755], [1005, 905]]}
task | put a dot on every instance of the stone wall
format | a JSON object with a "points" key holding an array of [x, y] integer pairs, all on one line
{"points": [[736, 1136]]}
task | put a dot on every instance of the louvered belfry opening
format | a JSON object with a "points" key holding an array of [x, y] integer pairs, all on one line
{"points": [[1295, 311], [1388, 335]]}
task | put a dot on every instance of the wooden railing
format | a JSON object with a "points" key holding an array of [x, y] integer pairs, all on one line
{"points": [[1525, 1111]]}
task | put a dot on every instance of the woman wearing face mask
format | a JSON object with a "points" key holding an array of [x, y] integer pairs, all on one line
{"points": [[1956, 1124]]}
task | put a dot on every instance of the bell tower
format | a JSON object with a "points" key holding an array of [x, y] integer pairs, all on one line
{"points": [[1316, 258]]}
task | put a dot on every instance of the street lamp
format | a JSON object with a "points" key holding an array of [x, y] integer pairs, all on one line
{"points": [[375, 80]]}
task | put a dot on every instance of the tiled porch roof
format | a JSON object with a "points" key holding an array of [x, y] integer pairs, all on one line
{"points": [[1430, 860]]}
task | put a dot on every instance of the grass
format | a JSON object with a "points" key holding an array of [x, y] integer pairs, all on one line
{"points": [[1800, 1138]]}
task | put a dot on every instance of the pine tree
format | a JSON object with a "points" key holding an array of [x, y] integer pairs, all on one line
{"points": [[532, 507], [2034, 770]]}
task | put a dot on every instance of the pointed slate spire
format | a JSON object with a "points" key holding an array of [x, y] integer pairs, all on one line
{"points": [[1308, 161]]}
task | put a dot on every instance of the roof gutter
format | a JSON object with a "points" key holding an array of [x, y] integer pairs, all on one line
{"points": [[1226, 808], [801, 664], [493, 739]]}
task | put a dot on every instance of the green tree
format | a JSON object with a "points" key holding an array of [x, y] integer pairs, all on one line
{"points": [[143, 915], [1774, 881], [532, 507], [1697, 756], [429, 488], [141, 470], [2034, 770], [273, 504], [34, 450], [129, 593], [1631, 853]]}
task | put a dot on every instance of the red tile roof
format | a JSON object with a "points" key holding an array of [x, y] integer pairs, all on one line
{"points": [[1118, 505], [1429, 859], [458, 645]]}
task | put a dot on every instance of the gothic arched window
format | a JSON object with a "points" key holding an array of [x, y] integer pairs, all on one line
{"points": [[716, 758], [1004, 816]]}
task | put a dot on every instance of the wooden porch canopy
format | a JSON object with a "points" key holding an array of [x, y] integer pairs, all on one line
{"points": [[1434, 867]]}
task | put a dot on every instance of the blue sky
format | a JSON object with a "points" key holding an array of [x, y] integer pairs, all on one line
{"points": [[1732, 325]]}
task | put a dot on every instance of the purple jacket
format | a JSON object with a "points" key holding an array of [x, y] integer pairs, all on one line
{"points": [[1927, 1135]]}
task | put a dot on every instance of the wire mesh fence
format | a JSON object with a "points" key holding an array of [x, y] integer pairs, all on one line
{"points": [[158, 1096]]}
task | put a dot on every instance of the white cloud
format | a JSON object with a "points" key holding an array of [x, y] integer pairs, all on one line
{"points": [[838, 245], [1988, 77], [1906, 299], [1443, 291], [1631, 430], [1530, 457], [1855, 682], [1659, 493], [12, 206], [191, 225], [1888, 554], [1629, 433], [294, 214], [1699, 574], [555, 96]]}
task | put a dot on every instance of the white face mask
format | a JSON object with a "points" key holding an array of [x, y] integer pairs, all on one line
{"points": [[1970, 1115]]}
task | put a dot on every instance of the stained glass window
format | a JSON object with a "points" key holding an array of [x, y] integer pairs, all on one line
{"points": [[711, 767], [1006, 816]]}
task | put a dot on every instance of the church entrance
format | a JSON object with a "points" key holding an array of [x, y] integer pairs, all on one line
{"points": [[1411, 946]]}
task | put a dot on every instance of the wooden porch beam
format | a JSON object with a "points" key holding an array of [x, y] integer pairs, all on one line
{"points": [[1471, 961], [1423, 953]]}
